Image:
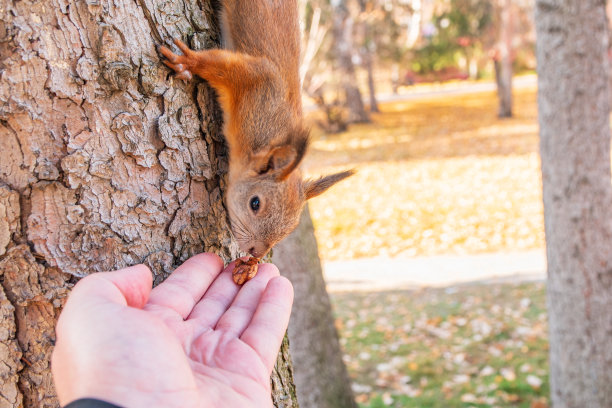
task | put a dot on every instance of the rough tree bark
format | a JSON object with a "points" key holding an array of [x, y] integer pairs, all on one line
{"points": [[344, 49], [105, 162], [320, 374], [575, 147]]}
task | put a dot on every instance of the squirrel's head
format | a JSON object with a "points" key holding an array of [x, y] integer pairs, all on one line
{"points": [[266, 201]]}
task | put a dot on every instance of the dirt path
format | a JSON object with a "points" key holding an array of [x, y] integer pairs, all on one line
{"points": [[454, 88], [441, 89]]}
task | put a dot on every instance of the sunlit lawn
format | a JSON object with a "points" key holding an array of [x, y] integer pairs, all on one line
{"points": [[435, 176]]}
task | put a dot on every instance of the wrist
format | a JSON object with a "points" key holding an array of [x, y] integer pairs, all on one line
{"points": [[91, 403]]}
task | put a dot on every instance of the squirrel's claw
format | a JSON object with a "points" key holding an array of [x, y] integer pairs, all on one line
{"points": [[182, 46], [165, 51], [172, 66], [173, 63], [184, 75]]}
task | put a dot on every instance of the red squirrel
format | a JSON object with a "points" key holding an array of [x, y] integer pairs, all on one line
{"points": [[256, 78]]}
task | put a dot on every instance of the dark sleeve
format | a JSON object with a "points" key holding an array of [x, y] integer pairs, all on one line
{"points": [[90, 403]]}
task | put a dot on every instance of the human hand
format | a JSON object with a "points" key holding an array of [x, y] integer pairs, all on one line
{"points": [[196, 340]]}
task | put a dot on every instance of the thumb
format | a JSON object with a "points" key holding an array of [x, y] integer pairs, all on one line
{"points": [[129, 286]]}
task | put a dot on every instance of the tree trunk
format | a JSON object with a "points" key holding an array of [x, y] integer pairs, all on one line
{"points": [[368, 51], [343, 46], [368, 56], [105, 163], [575, 148], [503, 65], [320, 373], [414, 27]]}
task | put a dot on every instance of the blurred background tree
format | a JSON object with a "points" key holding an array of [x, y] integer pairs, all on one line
{"points": [[454, 37], [364, 47], [574, 115]]}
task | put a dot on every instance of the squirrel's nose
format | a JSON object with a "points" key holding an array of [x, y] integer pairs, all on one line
{"points": [[258, 252]]}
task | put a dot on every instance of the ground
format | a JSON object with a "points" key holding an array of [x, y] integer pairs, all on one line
{"points": [[462, 346], [440, 175]]}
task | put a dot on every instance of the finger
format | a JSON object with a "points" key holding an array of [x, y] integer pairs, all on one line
{"points": [[239, 314], [269, 323], [215, 301], [184, 48], [186, 285], [125, 287], [129, 286]]}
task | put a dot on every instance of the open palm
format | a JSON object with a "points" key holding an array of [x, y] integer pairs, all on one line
{"points": [[197, 339]]}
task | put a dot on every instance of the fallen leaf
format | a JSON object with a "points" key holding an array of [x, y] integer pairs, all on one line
{"points": [[534, 381], [508, 374]]}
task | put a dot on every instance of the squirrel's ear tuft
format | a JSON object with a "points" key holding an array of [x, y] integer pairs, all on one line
{"points": [[282, 160], [313, 188]]}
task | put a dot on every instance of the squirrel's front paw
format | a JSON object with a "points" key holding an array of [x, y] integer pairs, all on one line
{"points": [[179, 63]]}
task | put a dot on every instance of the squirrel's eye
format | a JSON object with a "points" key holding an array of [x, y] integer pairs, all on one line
{"points": [[254, 203]]}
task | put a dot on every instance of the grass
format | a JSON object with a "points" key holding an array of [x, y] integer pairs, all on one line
{"points": [[466, 346], [435, 176]]}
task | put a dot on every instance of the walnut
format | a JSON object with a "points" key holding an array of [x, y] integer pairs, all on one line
{"points": [[245, 270]]}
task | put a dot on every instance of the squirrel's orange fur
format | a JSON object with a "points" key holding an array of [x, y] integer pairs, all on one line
{"points": [[256, 77]]}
